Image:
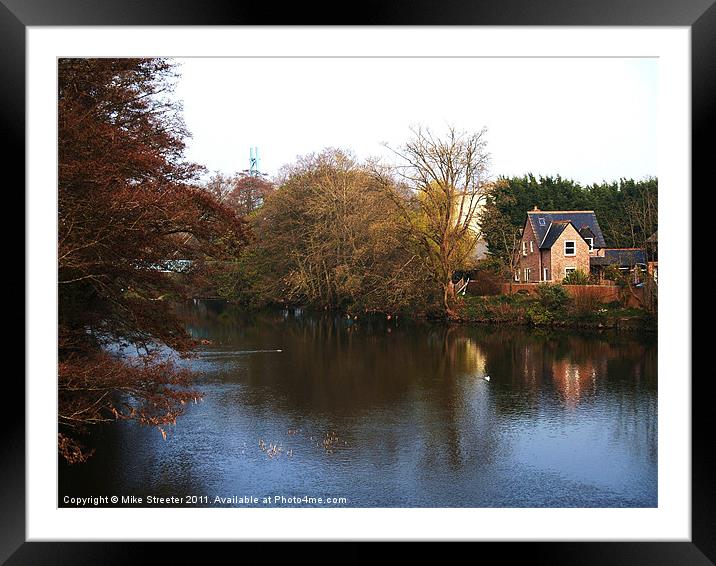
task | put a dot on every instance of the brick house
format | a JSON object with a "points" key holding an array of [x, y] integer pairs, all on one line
{"points": [[554, 243]]}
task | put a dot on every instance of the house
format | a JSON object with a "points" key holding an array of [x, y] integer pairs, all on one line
{"points": [[555, 243]]}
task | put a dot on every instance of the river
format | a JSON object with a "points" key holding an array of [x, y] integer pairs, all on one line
{"points": [[320, 410]]}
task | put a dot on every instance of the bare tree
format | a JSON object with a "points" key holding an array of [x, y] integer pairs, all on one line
{"points": [[447, 178]]}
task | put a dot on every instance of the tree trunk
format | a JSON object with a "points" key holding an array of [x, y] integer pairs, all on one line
{"points": [[449, 298]]}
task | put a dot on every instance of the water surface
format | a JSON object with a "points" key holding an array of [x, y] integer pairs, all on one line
{"points": [[385, 413]]}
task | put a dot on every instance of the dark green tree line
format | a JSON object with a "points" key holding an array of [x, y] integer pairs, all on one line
{"points": [[626, 209]]}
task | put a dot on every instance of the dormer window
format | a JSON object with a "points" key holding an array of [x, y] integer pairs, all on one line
{"points": [[570, 247], [590, 241], [542, 222]]}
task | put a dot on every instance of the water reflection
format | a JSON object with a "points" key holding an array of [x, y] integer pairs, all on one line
{"points": [[394, 413]]}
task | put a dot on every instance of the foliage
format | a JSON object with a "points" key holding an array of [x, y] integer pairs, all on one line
{"points": [[612, 272], [538, 314], [240, 280], [241, 192], [626, 209], [577, 277], [446, 182], [127, 211], [581, 312], [492, 264], [331, 236], [552, 296], [498, 308], [628, 280], [500, 232]]}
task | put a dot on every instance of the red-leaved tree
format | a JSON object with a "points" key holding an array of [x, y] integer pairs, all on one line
{"points": [[130, 214]]}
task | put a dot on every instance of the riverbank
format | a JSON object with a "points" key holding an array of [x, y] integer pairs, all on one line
{"points": [[524, 310]]}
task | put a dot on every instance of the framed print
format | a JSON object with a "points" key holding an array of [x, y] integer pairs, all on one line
{"points": [[236, 338]]}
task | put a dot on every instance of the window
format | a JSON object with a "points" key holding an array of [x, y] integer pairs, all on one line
{"points": [[590, 241], [570, 247], [545, 274], [527, 274], [524, 248], [517, 274], [542, 222], [568, 270], [531, 248]]}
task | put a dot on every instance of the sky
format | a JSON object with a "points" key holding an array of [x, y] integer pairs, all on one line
{"points": [[586, 119]]}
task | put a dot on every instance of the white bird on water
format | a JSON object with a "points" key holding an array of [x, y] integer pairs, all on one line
{"points": [[486, 377]]}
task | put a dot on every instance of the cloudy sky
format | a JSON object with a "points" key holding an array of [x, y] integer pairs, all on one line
{"points": [[588, 119]]}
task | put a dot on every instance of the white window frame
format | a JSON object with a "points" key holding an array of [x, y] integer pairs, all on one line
{"points": [[590, 241], [527, 274], [517, 274], [545, 274], [574, 244], [568, 270], [531, 247], [524, 248]]}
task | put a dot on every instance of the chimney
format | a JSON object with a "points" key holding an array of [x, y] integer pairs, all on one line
{"points": [[535, 208]]}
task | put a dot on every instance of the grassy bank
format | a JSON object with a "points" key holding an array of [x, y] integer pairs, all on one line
{"points": [[543, 311]]}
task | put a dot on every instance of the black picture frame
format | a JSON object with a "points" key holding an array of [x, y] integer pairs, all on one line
{"points": [[699, 15]]}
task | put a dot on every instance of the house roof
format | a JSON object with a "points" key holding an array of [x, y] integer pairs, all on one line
{"points": [[623, 257], [554, 231], [581, 219]]}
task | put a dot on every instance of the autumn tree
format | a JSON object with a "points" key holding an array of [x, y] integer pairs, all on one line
{"points": [[130, 214], [448, 180], [219, 185], [243, 192], [328, 237], [249, 193]]}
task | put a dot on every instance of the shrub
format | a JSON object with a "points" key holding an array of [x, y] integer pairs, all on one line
{"points": [[577, 277], [552, 297], [612, 273], [538, 314], [494, 265]]}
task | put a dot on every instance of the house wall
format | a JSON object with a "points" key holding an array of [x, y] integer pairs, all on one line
{"points": [[547, 262], [532, 259], [558, 261]]}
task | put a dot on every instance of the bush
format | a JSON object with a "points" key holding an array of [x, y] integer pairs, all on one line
{"points": [[552, 297], [612, 273], [538, 314], [494, 265], [577, 277]]}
